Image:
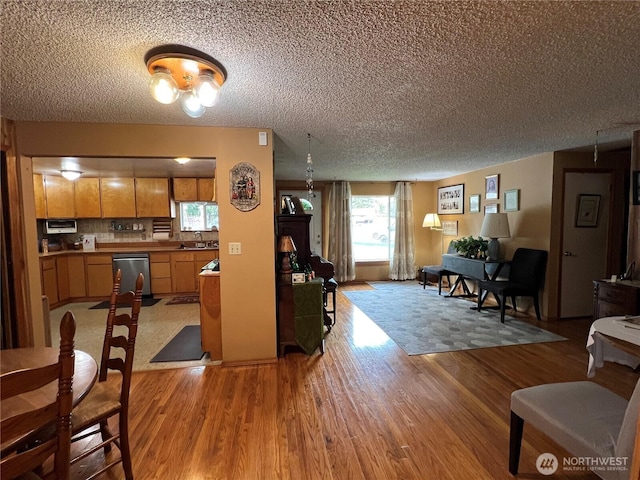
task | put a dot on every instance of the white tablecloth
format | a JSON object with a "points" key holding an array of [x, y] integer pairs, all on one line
{"points": [[600, 350]]}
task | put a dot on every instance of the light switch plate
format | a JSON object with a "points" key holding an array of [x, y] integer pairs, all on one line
{"points": [[235, 248], [262, 138]]}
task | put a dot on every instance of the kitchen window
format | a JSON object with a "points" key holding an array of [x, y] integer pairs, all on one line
{"points": [[198, 216], [373, 227]]}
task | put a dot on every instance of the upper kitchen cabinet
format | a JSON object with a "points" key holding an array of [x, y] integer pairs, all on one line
{"points": [[193, 190], [153, 198], [38, 191], [118, 197], [60, 195], [87, 198]]}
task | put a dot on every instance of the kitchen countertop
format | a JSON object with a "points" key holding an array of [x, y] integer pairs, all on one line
{"points": [[128, 249]]}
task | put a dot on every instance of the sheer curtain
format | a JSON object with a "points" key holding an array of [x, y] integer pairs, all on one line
{"points": [[403, 266], [340, 249]]}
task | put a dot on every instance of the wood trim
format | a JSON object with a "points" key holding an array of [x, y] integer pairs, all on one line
{"points": [[15, 247]]}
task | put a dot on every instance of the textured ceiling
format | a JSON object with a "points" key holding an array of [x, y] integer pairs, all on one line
{"points": [[388, 90]]}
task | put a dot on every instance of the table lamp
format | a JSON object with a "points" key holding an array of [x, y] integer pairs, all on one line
{"points": [[286, 247], [495, 226]]}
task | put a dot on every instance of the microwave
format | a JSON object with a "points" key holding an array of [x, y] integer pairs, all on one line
{"points": [[60, 226]]}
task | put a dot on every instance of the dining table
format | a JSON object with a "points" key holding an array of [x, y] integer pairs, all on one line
{"points": [[84, 376], [613, 339]]}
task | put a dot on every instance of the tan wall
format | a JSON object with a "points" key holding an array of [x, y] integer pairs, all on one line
{"points": [[247, 280]]}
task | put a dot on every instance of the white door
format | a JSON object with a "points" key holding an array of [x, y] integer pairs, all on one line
{"points": [[315, 227], [584, 248]]}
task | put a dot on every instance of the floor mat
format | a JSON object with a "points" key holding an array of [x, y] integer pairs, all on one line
{"points": [[146, 302], [186, 345], [184, 299]]}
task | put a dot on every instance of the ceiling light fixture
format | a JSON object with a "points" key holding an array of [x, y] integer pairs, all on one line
{"points": [[309, 170], [71, 174], [185, 73], [182, 160]]}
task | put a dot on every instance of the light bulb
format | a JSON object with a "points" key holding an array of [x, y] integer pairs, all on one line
{"points": [[163, 87], [207, 89], [191, 105], [70, 174]]}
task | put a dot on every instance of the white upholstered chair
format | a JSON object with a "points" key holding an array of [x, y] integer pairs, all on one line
{"points": [[583, 417]]}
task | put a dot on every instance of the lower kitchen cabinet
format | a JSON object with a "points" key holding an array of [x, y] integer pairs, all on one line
{"points": [[77, 276], [183, 278], [99, 275], [62, 272], [160, 270], [49, 279]]}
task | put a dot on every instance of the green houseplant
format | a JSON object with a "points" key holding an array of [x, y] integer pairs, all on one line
{"points": [[471, 247]]}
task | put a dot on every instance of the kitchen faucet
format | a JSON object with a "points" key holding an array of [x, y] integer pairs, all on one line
{"points": [[198, 236]]}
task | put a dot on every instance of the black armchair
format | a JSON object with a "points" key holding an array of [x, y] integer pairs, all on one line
{"points": [[526, 277]]}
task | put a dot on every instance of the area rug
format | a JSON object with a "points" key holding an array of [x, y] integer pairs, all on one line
{"points": [[184, 299], [420, 321], [146, 302], [185, 346]]}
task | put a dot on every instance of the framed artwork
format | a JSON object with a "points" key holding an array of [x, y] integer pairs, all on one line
{"points": [[587, 210], [635, 192], [492, 208], [511, 200], [474, 203], [492, 187], [244, 187], [450, 228], [451, 199]]}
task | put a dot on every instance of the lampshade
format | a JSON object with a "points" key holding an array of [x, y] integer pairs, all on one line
{"points": [[495, 225], [182, 72], [432, 221], [71, 174], [285, 244]]}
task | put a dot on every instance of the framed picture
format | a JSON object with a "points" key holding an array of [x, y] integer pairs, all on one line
{"points": [[635, 192], [244, 186], [451, 199], [587, 210], [512, 200], [492, 208], [450, 228], [491, 187], [474, 203]]}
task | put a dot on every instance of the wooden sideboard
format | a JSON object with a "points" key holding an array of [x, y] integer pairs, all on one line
{"points": [[615, 298]]}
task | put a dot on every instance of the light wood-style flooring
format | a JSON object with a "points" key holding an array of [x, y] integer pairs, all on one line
{"points": [[363, 410]]}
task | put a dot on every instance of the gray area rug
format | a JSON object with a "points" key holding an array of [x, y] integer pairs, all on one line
{"points": [[420, 321]]}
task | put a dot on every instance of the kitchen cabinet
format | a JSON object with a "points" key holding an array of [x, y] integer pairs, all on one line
{"points": [[185, 268], [60, 197], [193, 189], [153, 198], [99, 275], [118, 198], [618, 298], [77, 277], [62, 274], [38, 193], [87, 198], [49, 279], [160, 271]]}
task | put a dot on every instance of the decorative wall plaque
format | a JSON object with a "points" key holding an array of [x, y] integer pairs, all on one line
{"points": [[244, 186]]}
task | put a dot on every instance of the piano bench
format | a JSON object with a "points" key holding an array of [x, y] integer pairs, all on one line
{"points": [[330, 286]]}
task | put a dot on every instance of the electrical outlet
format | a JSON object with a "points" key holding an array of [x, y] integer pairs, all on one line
{"points": [[235, 248]]}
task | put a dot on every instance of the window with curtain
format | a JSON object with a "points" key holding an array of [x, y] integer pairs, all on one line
{"points": [[373, 227]]}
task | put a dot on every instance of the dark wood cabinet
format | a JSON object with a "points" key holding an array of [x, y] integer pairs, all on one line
{"points": [[617, 298], [297, 226]]}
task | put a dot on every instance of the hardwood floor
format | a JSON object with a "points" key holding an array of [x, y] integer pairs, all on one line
{"points": [[363, 410]]}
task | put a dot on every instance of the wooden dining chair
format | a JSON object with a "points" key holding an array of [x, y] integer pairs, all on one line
{"points": [[105, 400], [57, 413]]}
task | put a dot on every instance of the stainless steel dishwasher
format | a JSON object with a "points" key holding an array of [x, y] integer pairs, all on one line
{"points": [[131, 264]]}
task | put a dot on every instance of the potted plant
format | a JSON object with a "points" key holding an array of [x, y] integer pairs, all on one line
{"points": [[471, 247]]}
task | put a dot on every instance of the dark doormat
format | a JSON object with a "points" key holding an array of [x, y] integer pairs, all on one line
{"points": [[146, 302], [184, 299], [186, 345]]}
